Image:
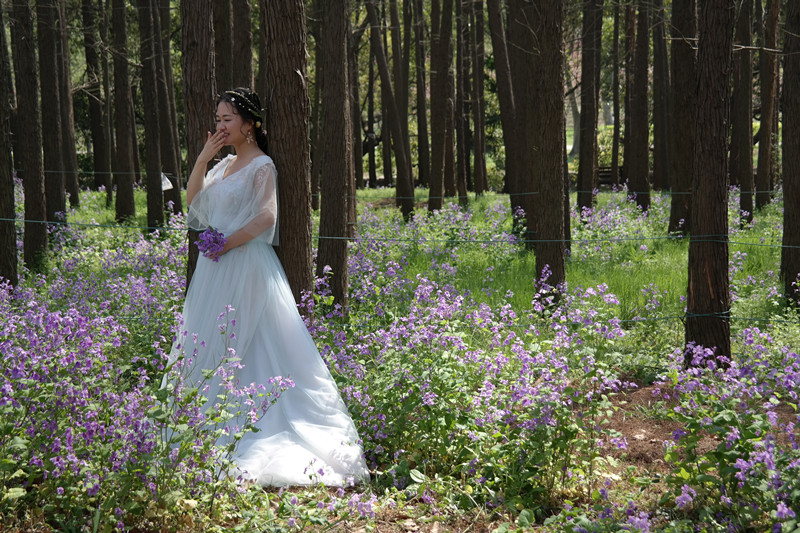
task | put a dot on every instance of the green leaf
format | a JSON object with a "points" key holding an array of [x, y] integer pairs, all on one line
{"points": [[417, 476], [14, 493], [525, 518]]}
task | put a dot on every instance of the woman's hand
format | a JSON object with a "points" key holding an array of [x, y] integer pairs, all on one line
{"points": [[213, 145]]}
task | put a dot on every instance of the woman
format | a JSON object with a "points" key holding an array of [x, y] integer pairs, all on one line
{"points": [[307, 436]]}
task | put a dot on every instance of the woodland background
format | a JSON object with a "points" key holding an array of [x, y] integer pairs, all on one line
{"points": [[451, 95]]}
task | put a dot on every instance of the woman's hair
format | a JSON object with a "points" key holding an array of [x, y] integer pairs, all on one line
{"points": [[248, 106]]}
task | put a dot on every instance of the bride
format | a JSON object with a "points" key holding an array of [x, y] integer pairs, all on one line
{"points": [[307, 436]]}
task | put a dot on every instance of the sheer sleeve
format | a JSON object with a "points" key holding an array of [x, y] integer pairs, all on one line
{"points": [[264, 207], [199, 214]]}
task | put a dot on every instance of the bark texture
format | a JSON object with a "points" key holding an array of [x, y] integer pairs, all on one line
{"points": [[8, 231], [335, 150], [708, 296], [28, 134], [287, 123], [124, 167], [197, 64], [790, 256], [683, 68], [741, 157]]}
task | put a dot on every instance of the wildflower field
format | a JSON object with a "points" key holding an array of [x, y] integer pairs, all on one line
{"points": [[486, 400]]}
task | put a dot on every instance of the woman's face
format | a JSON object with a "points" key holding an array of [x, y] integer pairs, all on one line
{"points": [[230, 123]]}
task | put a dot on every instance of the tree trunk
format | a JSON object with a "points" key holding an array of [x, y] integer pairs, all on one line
{"points": [[790, 254], [169, 150], [545, 75], [450, 135], [441, 35], [630, 54], [461, 118], [8, 232], [28, 134], [223, 43], [354, 43], [105, 44], [335, 151], [661, 177], [478, 99], [587, 159], [287, 121], [423, 144], [615, 100], [166, 47], [405, 190], [48, 36], [314, 30], [197, 65], [683, 68], [242, 44], [637, 166], [148, 34], [124, 167], [767, 66], [101, 154], [372, 138], [69, 154], [521, 44], [506, 100], [708, 297], [741, 156]]}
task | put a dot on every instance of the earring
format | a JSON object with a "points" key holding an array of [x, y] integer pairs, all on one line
{"points": [[250, 137]]}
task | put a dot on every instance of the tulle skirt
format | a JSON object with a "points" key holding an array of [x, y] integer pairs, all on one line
{"points": [[307, 436]]}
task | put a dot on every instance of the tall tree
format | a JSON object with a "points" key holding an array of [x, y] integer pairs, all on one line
{"points": [[402, 151], [767, 65], [590, 98], [522, 44], [661, 177], [615, 98], [197, 66], [478, 99], [546, 80], [286, 120], [637, 158], [28, 134], [101, 152], [507, 103], [106, 86], [124, 167], [242, 44], [423, 144], [8, 232], [168, 148], [630, 54], [741, 154], [354, 47], [683, 67], [335, 151], [790, 253], [68, 151], [708, 296], [148, 34], [461, 115], [441, 58], [48, 36], [223, 43]]}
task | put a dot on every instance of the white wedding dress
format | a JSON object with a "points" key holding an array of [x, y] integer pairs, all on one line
{"points": [[307, 436]]}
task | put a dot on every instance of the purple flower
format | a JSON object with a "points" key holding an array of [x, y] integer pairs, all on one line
{"points": [[686, 498], [783, 512], [211, 243]]}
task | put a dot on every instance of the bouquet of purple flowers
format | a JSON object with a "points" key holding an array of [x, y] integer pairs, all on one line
{"points": [[211, 243]]}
